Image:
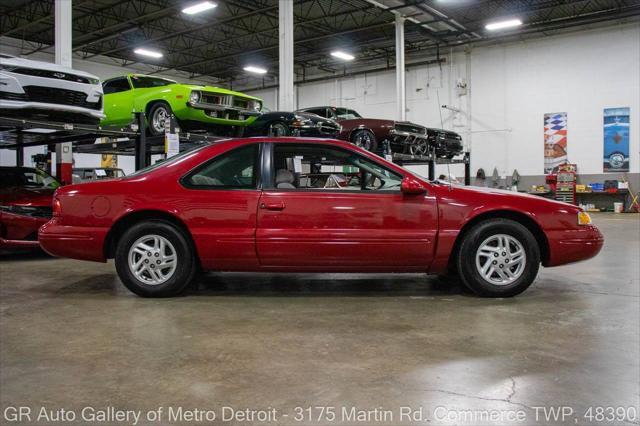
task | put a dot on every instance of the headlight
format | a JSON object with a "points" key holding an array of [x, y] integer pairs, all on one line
{"points": [[27, 210], [255, 105], [194, 97], [301, 121], [584, 218], [93, 80]]}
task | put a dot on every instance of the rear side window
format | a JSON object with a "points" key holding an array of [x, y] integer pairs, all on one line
{"points": [[236, 169], [116, 85]]}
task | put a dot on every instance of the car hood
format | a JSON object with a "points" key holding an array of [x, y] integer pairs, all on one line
{"points": [[220, 90], [316, 118], [370, 121], [26, 196], [40, 65], [506, 193]]}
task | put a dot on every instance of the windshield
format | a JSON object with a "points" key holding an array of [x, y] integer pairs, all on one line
{"points": [[27, 177], [142, 82], [346, 114]]}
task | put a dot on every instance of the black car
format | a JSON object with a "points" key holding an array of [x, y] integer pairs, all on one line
{"points": [[280, 123]]}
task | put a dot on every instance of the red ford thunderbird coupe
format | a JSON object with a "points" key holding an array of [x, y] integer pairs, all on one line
{"points": [[312, 205]]}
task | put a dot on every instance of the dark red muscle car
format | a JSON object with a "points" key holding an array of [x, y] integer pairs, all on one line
{"points": [[25, 205], [402, 136], [300, 204]]}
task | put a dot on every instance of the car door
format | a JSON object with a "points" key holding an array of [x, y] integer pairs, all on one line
{"points": [[329, 208], [222, 199], [118, 101]]}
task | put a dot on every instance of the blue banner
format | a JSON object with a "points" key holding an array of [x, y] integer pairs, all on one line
{"points": [[616, 140]]}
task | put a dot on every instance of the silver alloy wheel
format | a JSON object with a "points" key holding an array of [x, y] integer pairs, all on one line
{"points": [[160, 116], [501, 259], [277, 130], [152, 259], [363, 140], [420, 147]]}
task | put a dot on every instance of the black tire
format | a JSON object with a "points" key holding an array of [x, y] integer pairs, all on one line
{"points": [[186, 265], [156, 109], [467, 263], [277, 129], [365, 139]]}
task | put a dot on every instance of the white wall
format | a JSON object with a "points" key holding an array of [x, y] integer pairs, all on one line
{"points": [[511, 87]]}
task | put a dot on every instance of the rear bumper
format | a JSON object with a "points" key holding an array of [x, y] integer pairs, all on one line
{"points": [[75, 242], [568, 246]]}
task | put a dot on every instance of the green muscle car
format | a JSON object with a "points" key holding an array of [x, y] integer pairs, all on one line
{"points": [[195, 107]]}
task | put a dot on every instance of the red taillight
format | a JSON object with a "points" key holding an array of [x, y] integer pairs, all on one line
{"points": [[57, 208]]}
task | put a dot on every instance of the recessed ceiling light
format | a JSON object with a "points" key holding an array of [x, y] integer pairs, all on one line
{"points": [[342, 55], [503, 24], [256, 70], [199, 7], [150, 53]]}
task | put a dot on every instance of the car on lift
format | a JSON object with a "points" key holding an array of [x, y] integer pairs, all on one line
{"points": [[25, 204], [45, 91], [309, 205], [195, 107], [87, 174], [281, 123], [402, 136]]}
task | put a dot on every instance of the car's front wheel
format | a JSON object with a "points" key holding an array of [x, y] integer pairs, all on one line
{"points": [[159, 114], [154, 259], [365, 139], [278, 129], [498, 258]]}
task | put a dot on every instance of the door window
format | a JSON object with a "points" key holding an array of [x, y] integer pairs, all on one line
{"points": [[115, 86], [236, 169], [326, 168]]}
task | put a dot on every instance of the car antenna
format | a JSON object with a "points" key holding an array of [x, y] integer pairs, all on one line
{"points": [[442, 127]]}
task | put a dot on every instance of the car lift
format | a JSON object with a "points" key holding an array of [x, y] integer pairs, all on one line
{"points": [[431, 160], [18, 133]]}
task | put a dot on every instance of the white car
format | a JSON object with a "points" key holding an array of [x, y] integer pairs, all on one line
{"points": [[34, 89]]}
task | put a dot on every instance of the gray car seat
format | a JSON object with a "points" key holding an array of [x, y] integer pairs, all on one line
{"points": [[284, 179]]}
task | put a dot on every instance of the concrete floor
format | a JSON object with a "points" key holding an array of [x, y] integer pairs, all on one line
{"points": [[72, 336]]}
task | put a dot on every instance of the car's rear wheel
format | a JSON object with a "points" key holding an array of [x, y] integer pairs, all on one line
{"points": [[365, 139], [498, 258], [155, 259], [159, 114]]}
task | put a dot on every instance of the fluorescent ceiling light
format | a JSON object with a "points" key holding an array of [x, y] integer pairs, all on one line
{"points": [[150, 53], [503, 24], [342, 55], [199, 7], [256, 70]]}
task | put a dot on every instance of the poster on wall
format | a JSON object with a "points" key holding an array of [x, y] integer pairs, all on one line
{"points": [[616, 140], [555, 141]]}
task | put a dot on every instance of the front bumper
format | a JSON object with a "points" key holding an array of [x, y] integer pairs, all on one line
{"points": [[19, 105], [75, 242], [573, 245], [19, 231]]}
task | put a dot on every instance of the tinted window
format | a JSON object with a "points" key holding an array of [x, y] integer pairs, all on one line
{"points": [[320, 111], [236, 169], [142, 82], [115, 86], [328, 168]]}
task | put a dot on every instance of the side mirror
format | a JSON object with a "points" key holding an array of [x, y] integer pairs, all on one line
{"points": [[412, 186]]}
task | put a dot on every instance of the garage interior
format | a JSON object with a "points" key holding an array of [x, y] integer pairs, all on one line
{"points": [[72, 336]]}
